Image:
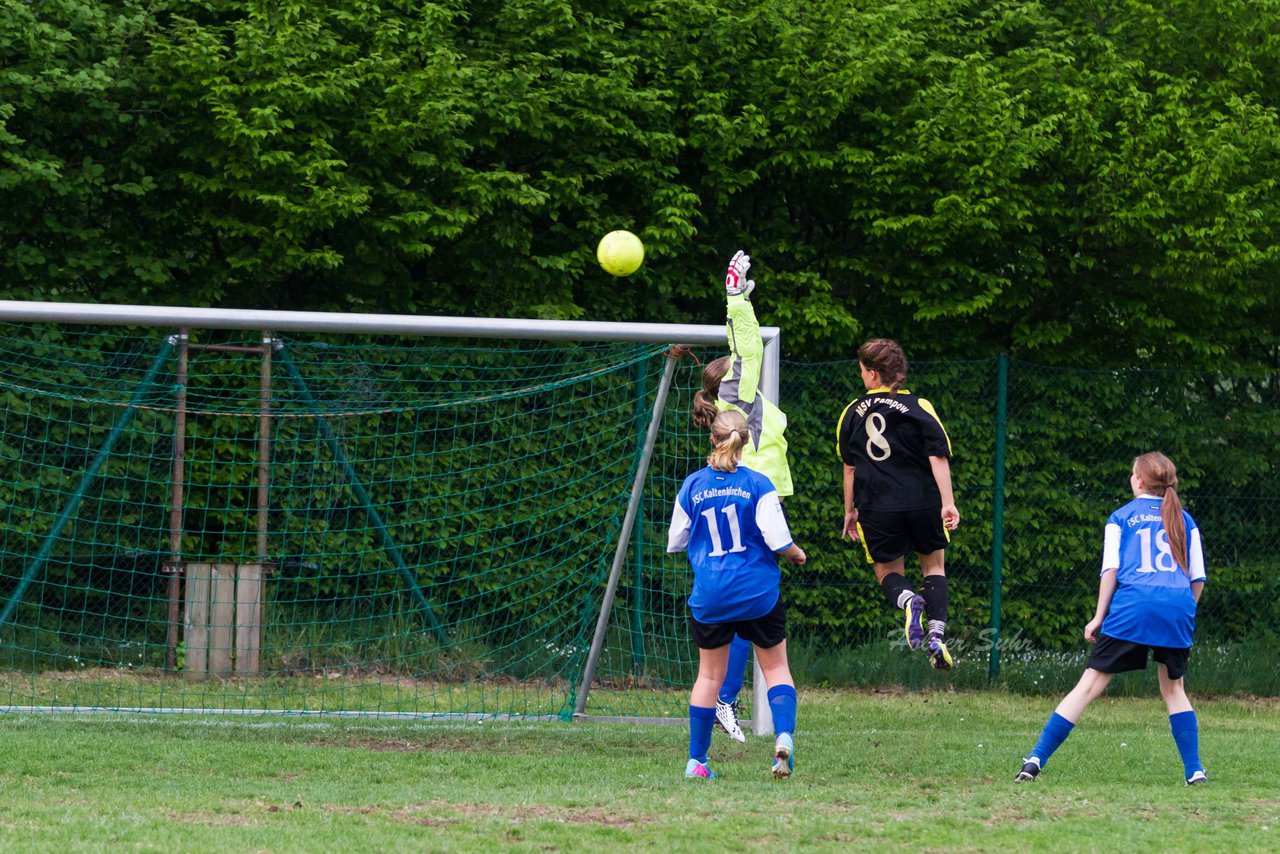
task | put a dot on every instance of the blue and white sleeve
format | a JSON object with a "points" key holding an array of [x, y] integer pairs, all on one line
{"points": [[1110, 547], [681, 528], [1195, 555], [772, 523]]}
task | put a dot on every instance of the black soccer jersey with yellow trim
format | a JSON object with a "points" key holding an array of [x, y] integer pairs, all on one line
{"points": [[889, 439]]}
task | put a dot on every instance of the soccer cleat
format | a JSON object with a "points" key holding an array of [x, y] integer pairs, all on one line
{"points": [[784, 760], [939, 655], [915, 622], [1030, 770], [698, 770], [727, 720], [1197, 778]]}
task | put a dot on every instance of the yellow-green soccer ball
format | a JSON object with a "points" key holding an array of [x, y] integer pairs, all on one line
{"points": [[620, 253]]}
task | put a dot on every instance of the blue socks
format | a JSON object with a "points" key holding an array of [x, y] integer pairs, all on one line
{"points": [[738, 652], [701, 720], [1056, 730], [1186, 734], [782, 704]]}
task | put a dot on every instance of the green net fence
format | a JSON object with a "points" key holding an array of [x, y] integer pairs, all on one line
{"points": [[426, 526], [1069, 440]]}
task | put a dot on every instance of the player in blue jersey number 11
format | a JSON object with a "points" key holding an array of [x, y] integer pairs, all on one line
{"points": [[729, 520], [1152, 577]]}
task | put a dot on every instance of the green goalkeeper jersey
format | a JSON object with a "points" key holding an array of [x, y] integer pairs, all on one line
{"points": [[740, 390]]}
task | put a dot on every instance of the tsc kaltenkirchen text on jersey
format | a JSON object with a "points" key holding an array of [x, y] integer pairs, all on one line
{"points": [[731, 523], [889, 438], [1152, 604]]}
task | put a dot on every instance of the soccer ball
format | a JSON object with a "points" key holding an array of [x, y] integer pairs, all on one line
{"points": [[620, 253]]}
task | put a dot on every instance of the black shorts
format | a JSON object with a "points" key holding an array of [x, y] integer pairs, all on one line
{"points": [[887, 535], [1120, 656], [765, 632]]}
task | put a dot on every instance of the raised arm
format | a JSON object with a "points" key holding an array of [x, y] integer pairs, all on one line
{"points": [[741, 384]]}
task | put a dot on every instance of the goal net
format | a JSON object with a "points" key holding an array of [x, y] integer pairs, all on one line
{"points": [[244, 512]]}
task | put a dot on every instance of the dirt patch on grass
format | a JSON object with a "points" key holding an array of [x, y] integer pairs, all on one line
{"points": [[447, 741], [438, 813], [107, 674], [539, 812], [573, 815], [376, 745], [1004, 816], [455, 742], [208, 819], [1271, 704], [401, 816]]}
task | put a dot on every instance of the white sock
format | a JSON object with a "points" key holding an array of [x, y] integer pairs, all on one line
{"points": [[904, 597], [937, 627]]}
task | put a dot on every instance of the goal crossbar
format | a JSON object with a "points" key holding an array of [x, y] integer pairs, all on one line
{"points": [[19, 311]]}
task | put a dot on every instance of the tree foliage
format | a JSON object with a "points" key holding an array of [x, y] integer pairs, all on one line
{"points": [[1073, 183]]}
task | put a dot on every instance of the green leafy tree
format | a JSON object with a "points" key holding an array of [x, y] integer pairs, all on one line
{"points": [[1072, 184], [81, 214]]}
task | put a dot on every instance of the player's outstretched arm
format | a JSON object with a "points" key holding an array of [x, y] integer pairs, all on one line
{"points": [[746, 348]]}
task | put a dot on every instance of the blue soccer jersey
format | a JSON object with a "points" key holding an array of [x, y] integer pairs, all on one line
{"points": [[1152, 604], [731, 524]]}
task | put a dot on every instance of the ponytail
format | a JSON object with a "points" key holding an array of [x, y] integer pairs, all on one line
{"points": [[729, 435], [1160, 476], [704, 401], [1175, 527]]}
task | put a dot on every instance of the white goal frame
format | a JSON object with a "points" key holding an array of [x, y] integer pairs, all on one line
{"points": [[88, 314]]}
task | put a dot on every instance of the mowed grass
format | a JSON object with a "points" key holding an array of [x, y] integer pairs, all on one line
{"points": [[919, 771]]}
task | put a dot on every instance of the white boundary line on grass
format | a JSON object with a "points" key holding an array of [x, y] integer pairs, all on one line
{"points": [[288, 713]]}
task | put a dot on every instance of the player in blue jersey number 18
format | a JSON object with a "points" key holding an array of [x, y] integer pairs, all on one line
{"points": [[729, 520], [1152, 577]]}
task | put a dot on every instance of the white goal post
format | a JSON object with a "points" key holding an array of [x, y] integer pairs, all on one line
{"points": [[83, 314]]}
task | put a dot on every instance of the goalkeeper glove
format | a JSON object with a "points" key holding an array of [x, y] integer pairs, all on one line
{"points": [[736, 282]]}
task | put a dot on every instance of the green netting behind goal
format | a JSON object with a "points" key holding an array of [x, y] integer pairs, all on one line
{"points": [[418, 527]]}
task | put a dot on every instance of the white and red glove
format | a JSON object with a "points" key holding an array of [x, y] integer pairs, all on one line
{"points": [[735, 278]]}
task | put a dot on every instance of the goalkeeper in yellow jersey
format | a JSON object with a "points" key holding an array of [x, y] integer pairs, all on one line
{"points": [[732, 382]]}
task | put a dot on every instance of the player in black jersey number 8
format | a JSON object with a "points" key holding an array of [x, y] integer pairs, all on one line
{"points": [[897, 492]]}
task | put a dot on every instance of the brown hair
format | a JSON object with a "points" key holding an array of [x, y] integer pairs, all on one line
{"points": [[704, 402], [886, 358], [1160, 477], [729, 435]]}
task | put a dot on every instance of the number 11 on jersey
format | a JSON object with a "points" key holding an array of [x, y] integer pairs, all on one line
{"points": [[713, 528]]}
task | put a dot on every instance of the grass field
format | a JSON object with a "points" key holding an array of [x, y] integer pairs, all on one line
{"points": [[928, 771]]}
